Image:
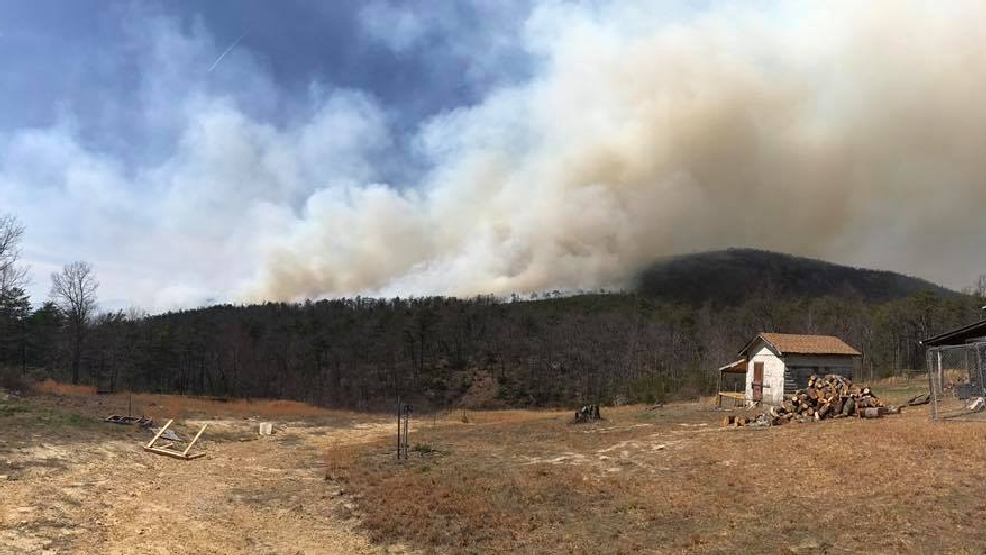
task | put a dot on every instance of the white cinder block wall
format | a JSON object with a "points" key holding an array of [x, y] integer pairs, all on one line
{"points": [[773, 374]]}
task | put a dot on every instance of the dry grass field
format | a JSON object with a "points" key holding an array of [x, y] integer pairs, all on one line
{"points": [[667, 480], [175, 406], [672, 480]]}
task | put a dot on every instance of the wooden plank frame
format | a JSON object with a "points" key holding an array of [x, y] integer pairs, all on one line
{"points": [[183, 455], [738, 367]]}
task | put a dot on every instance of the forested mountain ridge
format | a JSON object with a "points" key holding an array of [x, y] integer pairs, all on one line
{"points": [[728, 277], [441, 352]]}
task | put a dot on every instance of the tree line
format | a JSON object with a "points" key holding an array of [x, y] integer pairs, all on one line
{"points": [[439, 351]]}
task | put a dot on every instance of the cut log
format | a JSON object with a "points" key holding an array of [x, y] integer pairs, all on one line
{"points": [[832, 396], [919, 400], [822, 412], [871, 412]]}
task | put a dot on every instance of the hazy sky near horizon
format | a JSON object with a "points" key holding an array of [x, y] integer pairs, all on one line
{"points": [[212, 151]]}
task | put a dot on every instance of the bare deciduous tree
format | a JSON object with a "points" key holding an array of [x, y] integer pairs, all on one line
{"points": [[74, 291], [11, 273]]}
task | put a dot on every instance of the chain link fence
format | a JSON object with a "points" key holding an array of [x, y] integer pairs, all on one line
{"points": [[955, 381]]}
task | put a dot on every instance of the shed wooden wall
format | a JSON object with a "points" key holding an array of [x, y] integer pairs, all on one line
{"points": [[820, 366]]}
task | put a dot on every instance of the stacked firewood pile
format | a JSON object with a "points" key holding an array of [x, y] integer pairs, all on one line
{"points": [[829, 397]]}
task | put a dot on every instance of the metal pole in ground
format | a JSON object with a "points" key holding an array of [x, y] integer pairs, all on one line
{"points": [[398, 428], [407, 420], [979, 371]]}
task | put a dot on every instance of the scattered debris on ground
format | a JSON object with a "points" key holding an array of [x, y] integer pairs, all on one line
{"points": [[830, 397], [166, 434], [168, 451], [588, 413], [919, 400], [119, 419]]}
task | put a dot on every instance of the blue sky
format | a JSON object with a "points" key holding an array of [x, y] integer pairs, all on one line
{"points": [[91, 61], [469, 147]]}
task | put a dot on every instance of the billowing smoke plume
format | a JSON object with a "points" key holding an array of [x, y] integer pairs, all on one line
{"points": [[854, 132]]}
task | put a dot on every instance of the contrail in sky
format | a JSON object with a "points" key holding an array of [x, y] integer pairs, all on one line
{"points": [[223, 55]]}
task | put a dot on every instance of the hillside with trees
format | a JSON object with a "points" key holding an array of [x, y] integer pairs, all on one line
{"points": [[728, 277], [361, 352], [483, 351]]}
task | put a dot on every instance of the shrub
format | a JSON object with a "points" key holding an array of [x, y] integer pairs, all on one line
{"points": [[13, 380]]}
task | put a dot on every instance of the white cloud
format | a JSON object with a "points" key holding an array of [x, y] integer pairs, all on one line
{"points": [[399, 28]]}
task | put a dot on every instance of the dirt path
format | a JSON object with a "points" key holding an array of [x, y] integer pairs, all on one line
{"points": [[260, 496]]}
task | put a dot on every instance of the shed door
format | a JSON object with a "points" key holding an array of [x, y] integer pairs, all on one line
{"points": [[757, 381]]}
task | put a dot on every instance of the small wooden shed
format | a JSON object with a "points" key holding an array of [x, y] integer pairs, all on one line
{"points": [[778, 364]]}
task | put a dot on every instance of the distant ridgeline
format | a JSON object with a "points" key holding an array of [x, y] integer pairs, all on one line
{"points": [[690, 316], [728, 278]]}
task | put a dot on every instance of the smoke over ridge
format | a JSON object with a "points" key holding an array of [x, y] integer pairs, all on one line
{"points": [[853, 132], [627, 130]]}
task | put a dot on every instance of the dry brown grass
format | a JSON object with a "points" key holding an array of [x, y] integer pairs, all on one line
{"points": [[51, 387], [466, 416], [183, 406], [637, 483], [179, 407]]}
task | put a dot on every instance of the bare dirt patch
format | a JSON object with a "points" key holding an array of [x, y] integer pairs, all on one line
{"points": [[70, 483]]}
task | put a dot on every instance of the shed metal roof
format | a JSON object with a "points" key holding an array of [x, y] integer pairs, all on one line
{"points": [[959, 336], [738, 367]]}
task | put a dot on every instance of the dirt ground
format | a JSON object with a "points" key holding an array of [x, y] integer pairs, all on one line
{"points": [[644, 480], [72, 484]]}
